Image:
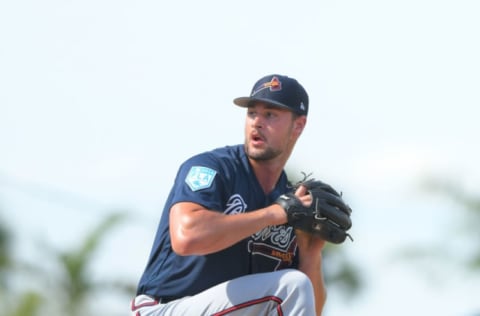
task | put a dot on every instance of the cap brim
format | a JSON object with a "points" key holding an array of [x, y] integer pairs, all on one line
{"points": [[246, 101]]}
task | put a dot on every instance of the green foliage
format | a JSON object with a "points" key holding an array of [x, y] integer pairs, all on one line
{"points": [[11, 303], [76, 284], [69, 288], [453, 191], [28, 305], [5, 257], [340, 271], [468, 217]]}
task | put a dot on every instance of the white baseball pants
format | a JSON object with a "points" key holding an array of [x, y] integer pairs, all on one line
{"points": [[281, 293]]}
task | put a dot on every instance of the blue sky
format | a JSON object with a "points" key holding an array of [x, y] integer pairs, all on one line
{"points": [[101, 100]]}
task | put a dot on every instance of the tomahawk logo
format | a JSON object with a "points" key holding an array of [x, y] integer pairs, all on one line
{"points": [[274, 85]]}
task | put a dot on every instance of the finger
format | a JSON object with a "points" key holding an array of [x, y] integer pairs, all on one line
{"points": [[306, 200], [301, 191]]}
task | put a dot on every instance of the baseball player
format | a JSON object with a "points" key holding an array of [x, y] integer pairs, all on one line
{"points": [[230, 240]]}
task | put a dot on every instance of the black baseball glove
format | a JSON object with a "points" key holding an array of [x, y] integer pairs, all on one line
{"points": [[327, 217]]}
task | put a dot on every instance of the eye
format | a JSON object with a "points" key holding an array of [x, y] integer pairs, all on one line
{"points": [[270, 115]]}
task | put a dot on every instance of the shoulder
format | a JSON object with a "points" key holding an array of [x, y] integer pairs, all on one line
{"points": [[218, 156], [223, 162]]}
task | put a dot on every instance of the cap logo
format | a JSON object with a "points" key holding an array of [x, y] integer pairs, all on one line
{"points": [[273, 85]]}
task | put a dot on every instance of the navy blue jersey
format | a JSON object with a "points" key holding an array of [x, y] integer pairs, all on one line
{"points": [[221, 180]]}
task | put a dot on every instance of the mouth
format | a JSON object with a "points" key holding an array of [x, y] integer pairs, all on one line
{"points": [[257, 138]]}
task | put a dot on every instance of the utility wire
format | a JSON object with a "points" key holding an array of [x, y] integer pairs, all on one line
{"points": [[49, 194]]}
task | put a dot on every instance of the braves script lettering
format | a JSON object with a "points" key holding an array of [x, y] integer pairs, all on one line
{"points": [[278, 235]]}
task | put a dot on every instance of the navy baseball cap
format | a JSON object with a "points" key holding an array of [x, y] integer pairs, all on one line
{"points": [[278, 90]]}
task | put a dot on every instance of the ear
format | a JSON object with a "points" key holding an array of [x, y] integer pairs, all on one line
{"points": [[299, 124]]}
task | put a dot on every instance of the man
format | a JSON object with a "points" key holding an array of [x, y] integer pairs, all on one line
{"points": [[222, 246]]}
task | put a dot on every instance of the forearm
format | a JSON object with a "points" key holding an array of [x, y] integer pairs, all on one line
{"points": [[312, 267], [198, 231], [314, 272]]}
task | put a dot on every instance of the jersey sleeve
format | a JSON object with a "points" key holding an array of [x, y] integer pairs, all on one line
{"points": [[200, 180]]}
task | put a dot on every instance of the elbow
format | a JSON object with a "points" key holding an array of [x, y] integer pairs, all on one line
{"points": [[182, 244], [181, 248]]}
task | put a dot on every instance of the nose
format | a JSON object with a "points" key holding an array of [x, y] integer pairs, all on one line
{"points": [[257, 121]]}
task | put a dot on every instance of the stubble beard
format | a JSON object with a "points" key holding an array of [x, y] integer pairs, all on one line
{"points": [[261, 154]]}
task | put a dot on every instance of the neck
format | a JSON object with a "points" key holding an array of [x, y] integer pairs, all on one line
{"points": [[267, 173]]}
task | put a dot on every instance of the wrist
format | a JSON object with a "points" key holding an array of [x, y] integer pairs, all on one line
{"points": [[277, 214]]}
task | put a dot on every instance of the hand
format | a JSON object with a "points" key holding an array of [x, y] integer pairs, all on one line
{"points": [[307, 243], [317, 209]]}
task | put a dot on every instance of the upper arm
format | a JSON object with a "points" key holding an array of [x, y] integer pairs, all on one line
{"points": [[182, 215], [188, 223]]}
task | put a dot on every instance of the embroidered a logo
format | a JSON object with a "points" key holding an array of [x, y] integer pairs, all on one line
{"points": [[199, 178], [275, 242], [235, 205], [274, 85]]}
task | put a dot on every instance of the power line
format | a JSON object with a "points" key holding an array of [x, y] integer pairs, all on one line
{"points": [[49, 194]]}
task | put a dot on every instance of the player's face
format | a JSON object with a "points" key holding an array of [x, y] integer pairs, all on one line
{"points": [[269, 132]]}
